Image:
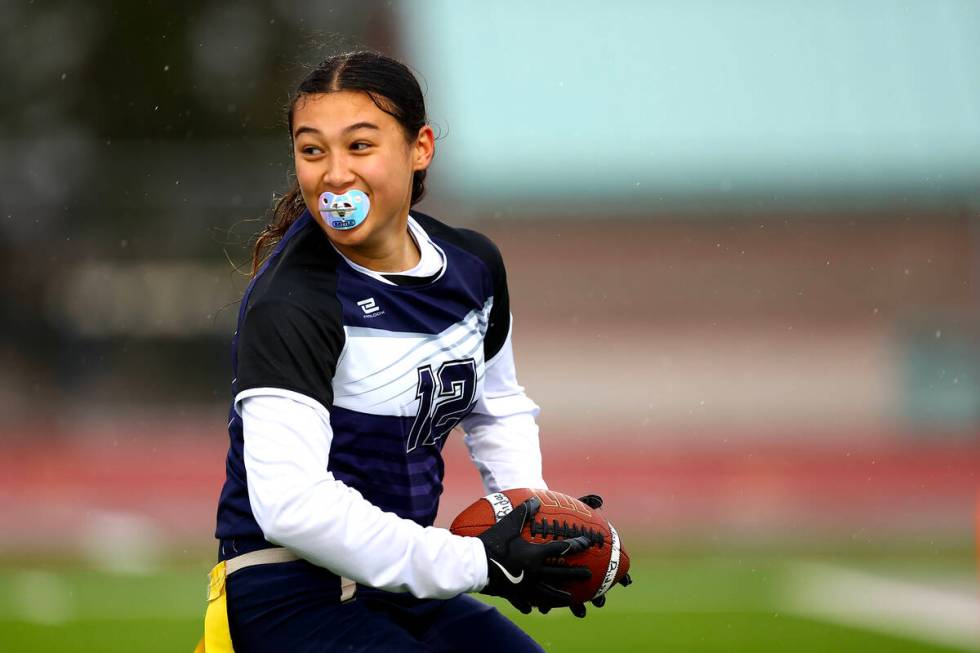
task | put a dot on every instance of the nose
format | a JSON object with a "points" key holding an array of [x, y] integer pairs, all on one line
{"points": [[338, 176]]}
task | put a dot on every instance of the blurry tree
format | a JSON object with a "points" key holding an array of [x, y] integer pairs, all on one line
{"points": [[134, 131]]}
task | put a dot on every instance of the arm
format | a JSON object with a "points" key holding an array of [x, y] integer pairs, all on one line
{"points": [[501, 431], [301, 506]]}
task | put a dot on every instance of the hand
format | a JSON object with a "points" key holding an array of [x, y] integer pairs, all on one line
{"points": [[517, 569], [593, 501], [579, 610]]}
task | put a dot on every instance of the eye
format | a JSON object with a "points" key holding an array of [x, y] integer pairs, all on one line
{"points": [[360, 146], [309, 150]]}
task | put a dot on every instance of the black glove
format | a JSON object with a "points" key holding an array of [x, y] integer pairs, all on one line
{"points": [[593, 501], [517, 569]]}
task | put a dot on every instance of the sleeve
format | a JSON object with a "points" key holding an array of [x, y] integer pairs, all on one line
{"points": [[284, 344], [300, 505], [498, 328], [502, 431]]}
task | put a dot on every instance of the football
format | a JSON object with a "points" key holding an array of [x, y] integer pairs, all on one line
{"points": [[560, 517]]}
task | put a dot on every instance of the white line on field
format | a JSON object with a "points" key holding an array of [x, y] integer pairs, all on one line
{"points": [[883, 604], [41, 597]]}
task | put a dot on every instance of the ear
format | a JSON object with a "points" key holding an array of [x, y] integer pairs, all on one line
{"points": [[423, 148]]}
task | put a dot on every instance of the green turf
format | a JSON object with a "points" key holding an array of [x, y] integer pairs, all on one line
{"points": [[678, 603], [102, 636], [722, 631]]}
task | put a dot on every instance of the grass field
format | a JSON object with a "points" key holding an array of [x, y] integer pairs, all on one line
{"points": [[678, 603]]}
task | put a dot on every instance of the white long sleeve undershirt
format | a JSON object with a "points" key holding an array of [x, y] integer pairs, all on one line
{"points": [[502, 431], [300, 505]]}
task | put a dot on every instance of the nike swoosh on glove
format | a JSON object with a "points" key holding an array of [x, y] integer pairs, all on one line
{"points": [[517, 569]]}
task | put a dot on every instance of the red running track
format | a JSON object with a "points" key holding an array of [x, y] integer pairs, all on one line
{"points": [[53, 488]]}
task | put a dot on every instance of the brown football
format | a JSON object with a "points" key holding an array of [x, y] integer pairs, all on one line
{"points": [[560, 516]]}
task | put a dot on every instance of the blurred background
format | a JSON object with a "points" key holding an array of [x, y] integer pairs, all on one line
{"points": [[743, 247]]}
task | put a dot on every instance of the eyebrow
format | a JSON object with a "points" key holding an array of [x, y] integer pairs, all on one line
{"points": [[357, 125]]}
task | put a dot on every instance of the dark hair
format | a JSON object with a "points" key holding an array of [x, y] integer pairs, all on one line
{"points": [[393, 89]]}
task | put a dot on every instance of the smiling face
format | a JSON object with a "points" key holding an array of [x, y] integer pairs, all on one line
{"points": [[342, 141]]}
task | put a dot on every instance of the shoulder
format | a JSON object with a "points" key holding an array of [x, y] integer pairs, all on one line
{"points": [[301, 272], [290, 333], [468, 240]]}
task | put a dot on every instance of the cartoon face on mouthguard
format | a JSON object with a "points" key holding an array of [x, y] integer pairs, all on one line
{"points": [[344, 211]]}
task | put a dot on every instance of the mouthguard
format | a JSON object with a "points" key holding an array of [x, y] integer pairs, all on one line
{"points": [[344, 211]]}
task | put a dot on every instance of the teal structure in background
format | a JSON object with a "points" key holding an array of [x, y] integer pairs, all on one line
{"points": [[660, 105]]}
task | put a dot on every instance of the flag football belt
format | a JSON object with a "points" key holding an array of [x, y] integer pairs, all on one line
{"points": [[217, 636]]}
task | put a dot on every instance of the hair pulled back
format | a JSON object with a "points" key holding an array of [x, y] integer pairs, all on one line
{"points": [[393, 89]]}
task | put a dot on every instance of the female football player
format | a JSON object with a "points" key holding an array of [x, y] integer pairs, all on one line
{"points": [[369, 331]]}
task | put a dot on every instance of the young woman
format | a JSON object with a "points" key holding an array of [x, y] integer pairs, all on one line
{"points": [[368, 332]]}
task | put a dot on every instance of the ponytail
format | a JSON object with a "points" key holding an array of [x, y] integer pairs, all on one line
{"points": [[288, 209]]}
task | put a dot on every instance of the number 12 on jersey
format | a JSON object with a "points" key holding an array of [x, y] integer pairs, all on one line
{"points": [[445, 396]]}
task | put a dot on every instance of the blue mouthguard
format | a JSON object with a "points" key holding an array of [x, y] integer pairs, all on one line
{"points": [[344, 211]]}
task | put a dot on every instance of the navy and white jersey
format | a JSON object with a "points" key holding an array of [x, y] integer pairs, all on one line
{"points": [[347, 385]]}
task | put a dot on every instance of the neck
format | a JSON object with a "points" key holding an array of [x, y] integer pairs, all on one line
{"points": [[394, 252]]}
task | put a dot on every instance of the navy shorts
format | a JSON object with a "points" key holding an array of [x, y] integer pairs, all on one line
{"points": [[295, 606]]}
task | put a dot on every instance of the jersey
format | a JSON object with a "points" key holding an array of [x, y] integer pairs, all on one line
{"points": [[397, 366]]}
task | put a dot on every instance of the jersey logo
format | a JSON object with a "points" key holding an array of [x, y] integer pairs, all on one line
{"points": [[445, 397], [369, 306]]}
